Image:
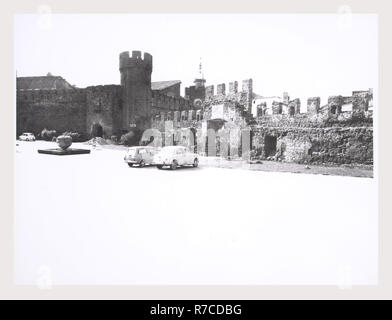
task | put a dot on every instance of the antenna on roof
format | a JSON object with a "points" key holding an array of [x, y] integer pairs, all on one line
{"points": [[201, 70]]}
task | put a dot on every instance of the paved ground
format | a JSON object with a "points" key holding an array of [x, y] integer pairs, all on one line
{"points": [[276, 166], [270, 166], [90, 219]]}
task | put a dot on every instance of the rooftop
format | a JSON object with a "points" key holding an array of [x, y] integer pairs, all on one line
{"points": [[48, 82], [160, 85]]}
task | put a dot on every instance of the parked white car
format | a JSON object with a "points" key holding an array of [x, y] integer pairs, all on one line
{"points": [[27, 136], [140, 156], [174, 157]]}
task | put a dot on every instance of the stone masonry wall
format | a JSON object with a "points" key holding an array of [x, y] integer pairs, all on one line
{"points": [[104, 109], [339, 145], [60, 110], [162, 103]]}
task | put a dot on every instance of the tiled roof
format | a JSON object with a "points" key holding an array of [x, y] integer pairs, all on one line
{"points": [[38, 83], [160, 85]]}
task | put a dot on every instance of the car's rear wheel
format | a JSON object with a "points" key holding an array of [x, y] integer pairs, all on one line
{"points": [[142, 163], [130, 164], [174, 165], [159, 167], [195, 162]]}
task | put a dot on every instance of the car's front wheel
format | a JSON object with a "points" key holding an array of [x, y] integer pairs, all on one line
{"points": [[195, 162], [174, 165], [142, 163], [159, 166], [130, 164]]}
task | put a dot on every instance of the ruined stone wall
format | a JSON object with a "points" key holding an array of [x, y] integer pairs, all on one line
{"points": [[244, 97], [318, 120], [337, 145], [325, 134], [60, 110], [104, 107], [180, 119], [226, 122]]}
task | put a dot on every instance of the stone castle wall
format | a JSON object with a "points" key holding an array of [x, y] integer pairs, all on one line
{"points": [[60, 110], [75, 110], [339, 132], [161, 103], [339, 145], [322, 135], [104, 108]]}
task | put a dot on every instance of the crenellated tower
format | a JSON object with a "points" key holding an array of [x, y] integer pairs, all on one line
{"points": [[136, 89]]}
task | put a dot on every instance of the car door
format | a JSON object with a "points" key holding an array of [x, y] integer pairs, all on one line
{"points": [[180, 156], [142, 155], [189, 157], [149, 155]]}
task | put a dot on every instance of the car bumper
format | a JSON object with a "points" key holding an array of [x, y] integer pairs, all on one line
{"points": [[131, 161], [162, 163]]}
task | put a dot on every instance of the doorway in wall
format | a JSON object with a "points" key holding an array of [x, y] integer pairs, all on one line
{"points": [[270, 145], [96, 130]]}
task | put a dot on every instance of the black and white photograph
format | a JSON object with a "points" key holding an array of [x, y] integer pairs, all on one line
{"points": [[195, 149]]}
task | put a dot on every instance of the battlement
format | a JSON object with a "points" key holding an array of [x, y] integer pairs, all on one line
{"points": [[47, 95], [135, 60], [161, 101], [221, 89], [181, 119], [247, 87], [313, 105], [233, 87], [339, 108], [110, 88]]}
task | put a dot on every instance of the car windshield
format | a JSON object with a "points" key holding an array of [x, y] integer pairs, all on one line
{"points": [[132, 151]]}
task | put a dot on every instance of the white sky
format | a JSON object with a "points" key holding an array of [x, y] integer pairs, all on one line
{"points": [[304, 54]]}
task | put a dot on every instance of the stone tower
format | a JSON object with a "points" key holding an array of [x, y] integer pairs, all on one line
{"points": [[136, 89]]}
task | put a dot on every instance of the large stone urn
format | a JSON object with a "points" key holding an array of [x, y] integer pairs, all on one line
{"points": [[64, 141]]}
